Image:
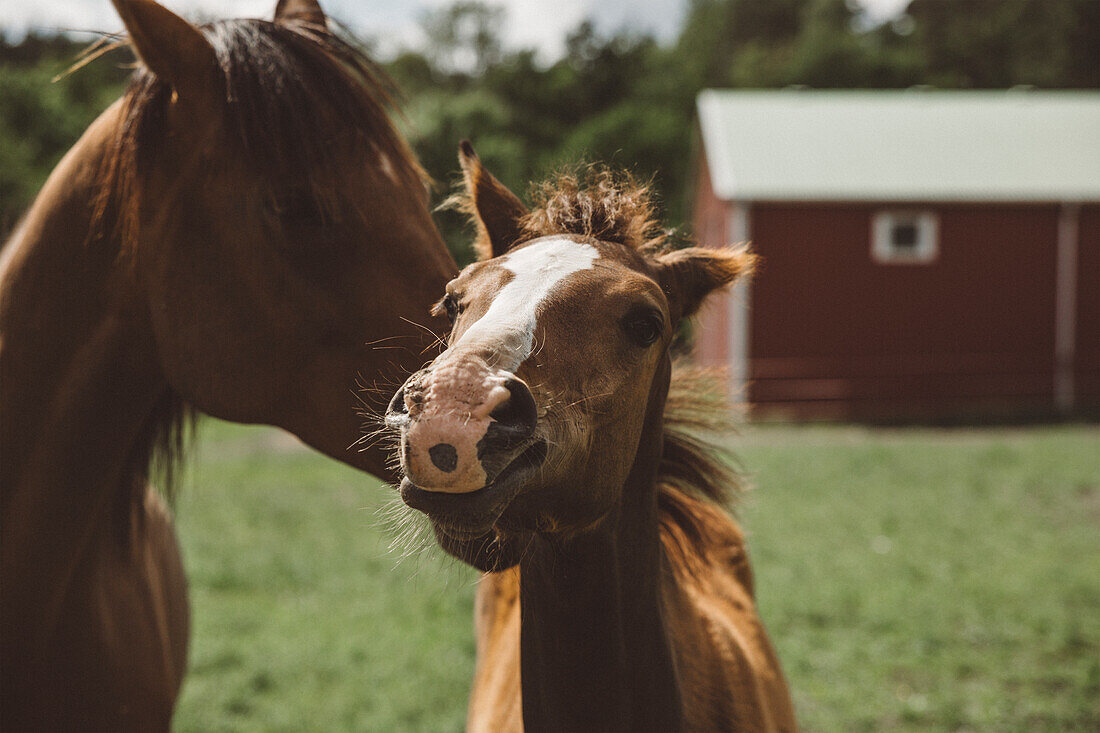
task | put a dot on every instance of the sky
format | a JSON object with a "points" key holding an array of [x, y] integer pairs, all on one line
{"points": [[394, 24]]}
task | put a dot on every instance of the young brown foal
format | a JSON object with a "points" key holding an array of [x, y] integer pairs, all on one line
{"points": [[540, 445], [235, 235]]}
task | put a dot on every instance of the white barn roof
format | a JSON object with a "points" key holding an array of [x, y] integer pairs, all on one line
{"points": [[902, 145]]}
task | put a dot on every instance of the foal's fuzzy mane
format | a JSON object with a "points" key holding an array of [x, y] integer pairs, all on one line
{"points": [[696, 483], [598, 202], [286, 86]]}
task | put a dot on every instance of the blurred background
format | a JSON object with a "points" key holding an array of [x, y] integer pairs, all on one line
{"points": [[538, 84], [913, 578]]}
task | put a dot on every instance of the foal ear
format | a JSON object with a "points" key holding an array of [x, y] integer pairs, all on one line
{"points": [[688, 275], [173, 49], [299, 11], [496, 210]]}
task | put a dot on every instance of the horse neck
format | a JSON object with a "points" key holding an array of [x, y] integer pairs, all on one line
{"points": [[595, 654], [78, 378]]}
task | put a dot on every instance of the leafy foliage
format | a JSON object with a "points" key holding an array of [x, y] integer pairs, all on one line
{"points": [[41, 118]]}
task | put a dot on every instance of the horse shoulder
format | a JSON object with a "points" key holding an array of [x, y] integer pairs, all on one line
{"points": [[118, 648], [496, 702]]}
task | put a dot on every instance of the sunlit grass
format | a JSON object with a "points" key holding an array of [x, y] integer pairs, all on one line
{"points": [[911, 579], [302, 618], [932, 580]]}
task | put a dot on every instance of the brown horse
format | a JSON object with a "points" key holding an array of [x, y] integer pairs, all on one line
{"points": [[545, 447], [231, 236]]}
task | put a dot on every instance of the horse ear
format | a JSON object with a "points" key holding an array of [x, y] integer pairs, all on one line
{"points": [[173, 49], [688, 275], [496, 210], [300, 11]]}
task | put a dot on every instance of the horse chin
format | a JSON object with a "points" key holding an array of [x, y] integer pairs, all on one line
{"points": [[468, 520], [489, 552]]}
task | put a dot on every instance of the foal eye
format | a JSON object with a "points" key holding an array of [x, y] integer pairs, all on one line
{"points": [[448, 305], [643, 328], [451, 307]]}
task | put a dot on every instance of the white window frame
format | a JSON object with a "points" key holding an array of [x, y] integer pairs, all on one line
{"points": [[927, 248]]}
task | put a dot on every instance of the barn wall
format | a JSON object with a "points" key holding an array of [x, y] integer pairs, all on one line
{"points": [[709, 225], [1087, 362], [835, 334]]}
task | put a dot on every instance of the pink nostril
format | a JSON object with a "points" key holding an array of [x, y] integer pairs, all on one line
{"points": [[413, 399], [498, 395], [515, 418]]}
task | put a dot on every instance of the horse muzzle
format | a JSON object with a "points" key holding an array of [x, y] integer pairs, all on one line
{"points": [[461, 424]]}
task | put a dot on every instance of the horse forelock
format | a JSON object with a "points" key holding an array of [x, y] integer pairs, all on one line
{"points": [[597, 202], [288, 91]]}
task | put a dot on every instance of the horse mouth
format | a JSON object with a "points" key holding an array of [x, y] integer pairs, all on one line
{"points": [[464, 517]]}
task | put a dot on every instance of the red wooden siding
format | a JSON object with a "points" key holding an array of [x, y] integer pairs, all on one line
{"points": [[1086, 375], [836, 334], [709, 226]]}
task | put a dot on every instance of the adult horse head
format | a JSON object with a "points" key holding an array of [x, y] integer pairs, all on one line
{"points": [[543, 442], [236, 235], [275, 220]]}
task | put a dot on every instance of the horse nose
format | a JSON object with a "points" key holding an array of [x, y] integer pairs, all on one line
{"points": [[408, 401], [458, 423], [397, 412], [514, 419]]}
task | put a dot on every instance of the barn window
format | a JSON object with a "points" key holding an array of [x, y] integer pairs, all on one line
{"points": [[904, 237]]}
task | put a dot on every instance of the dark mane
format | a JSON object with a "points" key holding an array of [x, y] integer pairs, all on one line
{"points": [[597, 202], [696, 483], [285, 86]]}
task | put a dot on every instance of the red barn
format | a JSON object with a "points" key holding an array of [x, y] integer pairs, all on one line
{"points": [[925, 254]]}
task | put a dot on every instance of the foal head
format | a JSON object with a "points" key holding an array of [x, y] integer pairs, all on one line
{"points": [[265, 206], [531, 419]]}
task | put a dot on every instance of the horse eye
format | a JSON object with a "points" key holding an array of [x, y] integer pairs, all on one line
{"points": [[297, 208], [451, 307], [643, 328]]}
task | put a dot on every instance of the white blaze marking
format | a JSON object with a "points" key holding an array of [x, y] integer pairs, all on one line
{"points": [[509, 324]]}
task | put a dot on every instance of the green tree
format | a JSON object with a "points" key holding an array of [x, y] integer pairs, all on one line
{"points": [[1001, 43], [618, 98], [43, 111]]}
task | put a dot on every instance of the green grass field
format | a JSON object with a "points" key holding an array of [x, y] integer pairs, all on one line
{"points": [[911, 579]]}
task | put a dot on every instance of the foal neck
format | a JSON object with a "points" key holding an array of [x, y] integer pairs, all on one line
{"points": [[595, 654]]}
